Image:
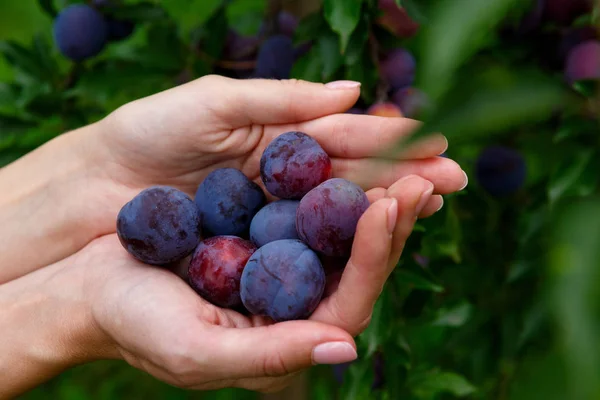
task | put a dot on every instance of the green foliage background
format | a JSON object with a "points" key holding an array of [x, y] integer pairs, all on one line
{"points": [[507, 307]]}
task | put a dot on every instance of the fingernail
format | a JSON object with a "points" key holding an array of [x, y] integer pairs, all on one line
{"points": [[466, 181], [333, 353], [342, 85], [424, 199], [441, 205], [392, 215], [446, 146]]}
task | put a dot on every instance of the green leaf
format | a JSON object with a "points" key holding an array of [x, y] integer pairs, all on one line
{"points": [[140, 12], [577, 175], [211, 36], [310, 27], [455, 316], [329, 51], [48, 7], [22, 59], [357, 43], [416, 281], [428, 384], [309, 67], [447, 44], [343, 17], [190, 13]]}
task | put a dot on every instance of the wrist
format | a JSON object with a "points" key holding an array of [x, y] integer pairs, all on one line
{"points": [[56, 197], [47, 328]]}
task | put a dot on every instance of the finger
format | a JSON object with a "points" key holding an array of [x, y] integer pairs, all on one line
{"points": [[362, 281], [446, 175], [375, 194], [435, 204], [264, 101], [360, 136], [276, 350]]}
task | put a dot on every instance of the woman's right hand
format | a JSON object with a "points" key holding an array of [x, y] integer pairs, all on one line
{"points": [[102, 303]]}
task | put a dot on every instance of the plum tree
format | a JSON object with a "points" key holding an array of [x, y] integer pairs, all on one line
{"points": [[80, 32]]}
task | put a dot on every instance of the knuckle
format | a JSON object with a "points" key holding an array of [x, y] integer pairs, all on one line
{"points": [[274, 365]]}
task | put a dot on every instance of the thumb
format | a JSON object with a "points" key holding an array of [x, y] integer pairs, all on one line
{"points": [[264, 101], [279, 349]]}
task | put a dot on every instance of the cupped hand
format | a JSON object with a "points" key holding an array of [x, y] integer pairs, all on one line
{"points": [[178, 136], [157, 323]]}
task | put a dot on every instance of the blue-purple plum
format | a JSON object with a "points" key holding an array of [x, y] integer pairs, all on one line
{"points": [[398, 68], [286, 24], [293, 164], [80, 32], [411, 101], [216, 267], [275, 58], [283, 280], [328, 215], [583, 62], [275, 221], [500, 171], [160, 225], [228, 201]]}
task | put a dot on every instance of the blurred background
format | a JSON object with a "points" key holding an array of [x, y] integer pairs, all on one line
{"points": [[497, 295]]}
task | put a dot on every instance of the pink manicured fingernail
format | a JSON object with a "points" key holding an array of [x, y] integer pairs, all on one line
{"points": [[424, 199], [466, 181], [342, 85], [333, 353], [392, 215], [441, 205]]}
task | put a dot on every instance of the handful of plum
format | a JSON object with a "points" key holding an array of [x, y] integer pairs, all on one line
{"points": [[245, 252]]}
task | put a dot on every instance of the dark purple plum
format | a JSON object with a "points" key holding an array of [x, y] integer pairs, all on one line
{"points": [[275, 58], [160, 225], [293, 164], [80, 32], [275, 221], [283, 280], [328, 215], [356, 110], [500, 170], [228, 201], [583, 62], [411, 101], [286, 24], [216, 269], [398, 68]]}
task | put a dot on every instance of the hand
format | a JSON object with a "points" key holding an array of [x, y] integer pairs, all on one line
{"points": [[159, 324], [73, 188]]}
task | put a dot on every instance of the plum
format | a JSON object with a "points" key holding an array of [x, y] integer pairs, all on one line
{"points": [[355, 110], [583, 62], [398, 68], [293, 164], [160, 225], [411, 101], [80, 32], [283, 280], [216, 269], [286, 24], [275, 58], [275, 221], [385, 110], [328, 215], [228, 201], [500, 170]]}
